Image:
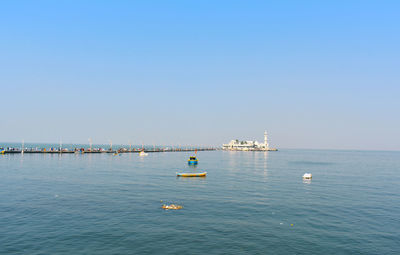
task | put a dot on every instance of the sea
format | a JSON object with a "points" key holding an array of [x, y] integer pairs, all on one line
{"points": [[249, 203]]}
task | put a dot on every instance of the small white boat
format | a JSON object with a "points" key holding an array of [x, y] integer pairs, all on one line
{"points": [[142, 154], [307, 176]]}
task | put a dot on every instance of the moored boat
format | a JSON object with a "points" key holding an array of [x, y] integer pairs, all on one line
{"points": [[191, 174], [193, 160], [142, 153]]}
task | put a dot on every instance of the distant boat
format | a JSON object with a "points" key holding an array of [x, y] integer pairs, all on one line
{"points": [[193, 161], [191, 174], [142, 153], [307, 176]]}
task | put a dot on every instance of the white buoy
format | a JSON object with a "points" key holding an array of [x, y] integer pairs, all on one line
{"points": [[307, 176]]}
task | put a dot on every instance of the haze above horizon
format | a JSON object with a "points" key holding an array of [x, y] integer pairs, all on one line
{"points": [[314, 74]]}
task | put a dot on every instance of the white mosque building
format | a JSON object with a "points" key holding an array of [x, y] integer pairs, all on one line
{"points": [[236, 145]]}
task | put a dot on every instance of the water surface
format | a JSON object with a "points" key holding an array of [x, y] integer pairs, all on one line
{"points": [[106, 204]]}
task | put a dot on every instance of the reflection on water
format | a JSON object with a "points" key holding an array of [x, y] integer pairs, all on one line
{"points": [[265, 172], [192, 167], [248, 162], [233, 157], [192, 179], [22, 158]]}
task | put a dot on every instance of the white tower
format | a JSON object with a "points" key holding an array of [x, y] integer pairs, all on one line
{"points": [[266, 140]]}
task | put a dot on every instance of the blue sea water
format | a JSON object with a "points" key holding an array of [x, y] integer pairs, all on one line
{"points": [[106, 204]]}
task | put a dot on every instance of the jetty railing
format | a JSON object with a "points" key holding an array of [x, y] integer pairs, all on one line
{"points": [[99, 150]]}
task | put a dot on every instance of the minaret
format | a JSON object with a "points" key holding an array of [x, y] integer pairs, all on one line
{"points": [[266, 140]]}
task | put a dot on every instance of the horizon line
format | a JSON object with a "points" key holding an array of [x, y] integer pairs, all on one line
{"points": [[214, 146]]}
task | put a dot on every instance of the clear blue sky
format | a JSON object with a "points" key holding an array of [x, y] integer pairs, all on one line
{"points": [[315, 74]]}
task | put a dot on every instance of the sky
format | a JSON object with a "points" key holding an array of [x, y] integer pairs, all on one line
{"points": [[314, 74]]}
